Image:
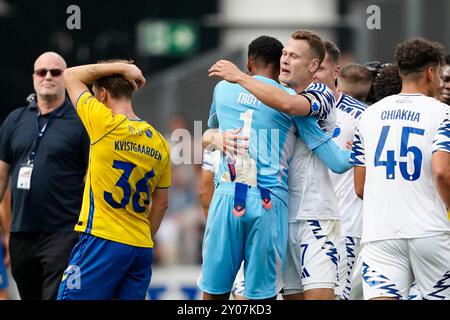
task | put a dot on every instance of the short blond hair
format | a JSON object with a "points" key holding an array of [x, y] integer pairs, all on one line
{"points": [[315, 42]]}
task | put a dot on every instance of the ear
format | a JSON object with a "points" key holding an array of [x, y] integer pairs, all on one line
{"points": [[336, 72], [314, 65], [108, 96], [429, 73], [102, 94], [250, 63]]}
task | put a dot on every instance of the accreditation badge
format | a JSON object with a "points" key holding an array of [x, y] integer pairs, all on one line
{"points": [[24, 179]]}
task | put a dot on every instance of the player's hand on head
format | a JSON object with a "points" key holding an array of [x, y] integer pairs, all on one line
{"points": [[135, 76], [225, 70]]}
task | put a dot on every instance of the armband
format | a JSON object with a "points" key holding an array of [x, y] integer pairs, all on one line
{"points": [[316, 106]]}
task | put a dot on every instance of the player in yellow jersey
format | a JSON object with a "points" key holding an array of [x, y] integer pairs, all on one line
{"points": [[126, 192]]}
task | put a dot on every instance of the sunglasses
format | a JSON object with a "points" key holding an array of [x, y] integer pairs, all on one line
{"points": [[43, 72]]}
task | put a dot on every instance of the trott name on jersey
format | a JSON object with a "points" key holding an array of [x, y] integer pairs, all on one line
{"points": [[247, 98], [400, 115], [136, 147]]}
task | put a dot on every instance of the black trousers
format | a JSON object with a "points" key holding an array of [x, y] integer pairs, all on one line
{"points": [[38, 261]]}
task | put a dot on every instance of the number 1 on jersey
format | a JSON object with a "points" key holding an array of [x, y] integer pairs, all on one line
{"points": [[247, 117]]}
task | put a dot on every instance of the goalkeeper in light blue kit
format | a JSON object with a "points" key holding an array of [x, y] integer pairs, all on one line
{"points": [[248, 215]]}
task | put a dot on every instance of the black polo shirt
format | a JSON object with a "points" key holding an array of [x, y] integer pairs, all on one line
{"points": [[54, 200]]}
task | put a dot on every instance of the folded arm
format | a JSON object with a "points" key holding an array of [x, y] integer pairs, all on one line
{"points": [[77, 78]]}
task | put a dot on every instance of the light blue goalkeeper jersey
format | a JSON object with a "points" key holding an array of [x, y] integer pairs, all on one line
{"points": [[272, 133]]}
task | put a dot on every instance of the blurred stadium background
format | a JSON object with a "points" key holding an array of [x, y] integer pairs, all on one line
{"points": [[174, 42]]}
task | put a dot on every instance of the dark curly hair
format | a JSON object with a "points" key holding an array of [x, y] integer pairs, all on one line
{"points": [[266, 49], [116, 84], [387, 82], [414, 55]]}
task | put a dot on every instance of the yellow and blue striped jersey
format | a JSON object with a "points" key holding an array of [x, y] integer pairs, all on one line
{"points": [[128, 160]]}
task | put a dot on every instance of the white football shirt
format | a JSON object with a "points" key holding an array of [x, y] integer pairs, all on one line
{"points": [[311, 193], [348, 112], [395, 140]]}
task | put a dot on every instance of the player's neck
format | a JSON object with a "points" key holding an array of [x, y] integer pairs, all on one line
{"points": [[123, 107], [337, 94], [302, 85], [266, 72], [48, 105], [414, 87]]}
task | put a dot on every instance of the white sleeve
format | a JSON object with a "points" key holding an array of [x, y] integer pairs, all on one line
{"points": [[441, 141]]}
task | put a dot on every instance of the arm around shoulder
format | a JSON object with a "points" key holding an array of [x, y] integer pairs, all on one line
{"points": [[268, 94], [276, 97]]}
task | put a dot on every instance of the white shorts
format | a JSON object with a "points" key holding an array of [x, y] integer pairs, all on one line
{"points": [[356, 292], [390, 266], [314, 251], [347, 267], [414, 292]]}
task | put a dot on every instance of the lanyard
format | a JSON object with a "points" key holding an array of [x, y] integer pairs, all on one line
{"points": [[39, 136]]}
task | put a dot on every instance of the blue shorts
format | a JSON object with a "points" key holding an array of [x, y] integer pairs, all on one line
{"points": [[101, 269], [259, 237], [3, 274]]}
